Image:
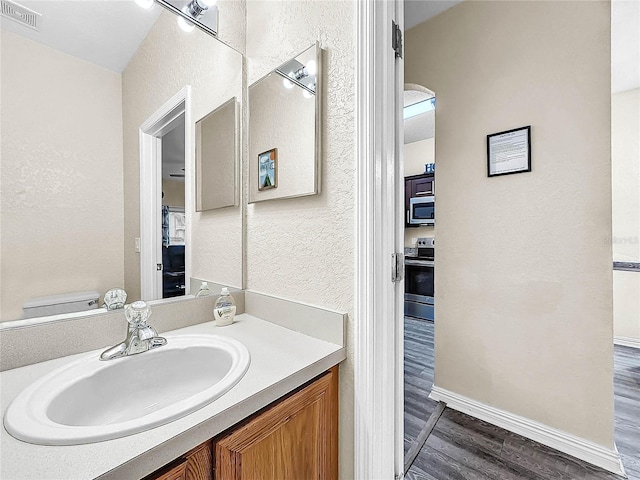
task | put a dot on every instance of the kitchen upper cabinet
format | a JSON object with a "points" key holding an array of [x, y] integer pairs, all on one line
{"points": [[422, 185], [297, 438], [294, 438]]}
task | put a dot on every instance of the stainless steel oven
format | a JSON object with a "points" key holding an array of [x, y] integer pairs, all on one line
{"points": [[419, 281]]}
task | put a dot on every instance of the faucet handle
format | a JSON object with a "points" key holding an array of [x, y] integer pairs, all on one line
{"points": [[137, 313], [115, 299]]}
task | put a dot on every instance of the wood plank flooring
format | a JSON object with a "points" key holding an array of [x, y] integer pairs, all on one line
{"points": [[462, 447], [418, 377], [626, 385]]}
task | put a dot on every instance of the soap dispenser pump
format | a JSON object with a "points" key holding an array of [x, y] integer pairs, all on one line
{"points": [[203, 291]]}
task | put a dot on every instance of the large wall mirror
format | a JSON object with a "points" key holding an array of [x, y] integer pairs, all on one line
{"points": [[284, 130], [75, 94]]}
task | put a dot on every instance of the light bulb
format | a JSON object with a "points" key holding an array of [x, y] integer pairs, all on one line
{"points": [[306, 94], [207, 3], [287, 83], [311, 67], [185, 25], [146, 4]]}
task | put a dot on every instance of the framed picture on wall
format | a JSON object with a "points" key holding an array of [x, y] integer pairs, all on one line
{"points": [[268, 169], [509, 152]]}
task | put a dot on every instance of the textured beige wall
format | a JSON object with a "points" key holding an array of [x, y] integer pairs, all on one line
{"points": [[62, 210], [173, 192], [302, 249], [416, 154], [523, 282], [167, 61], [232, 23], [625, 168]]}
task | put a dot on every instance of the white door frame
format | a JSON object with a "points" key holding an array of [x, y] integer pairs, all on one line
{"points": [[151, 131], [378, 380]]}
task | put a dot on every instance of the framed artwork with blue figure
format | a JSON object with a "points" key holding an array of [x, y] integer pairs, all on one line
{"points": [[268, 169]]}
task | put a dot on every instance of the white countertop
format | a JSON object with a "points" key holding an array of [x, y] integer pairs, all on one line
{"points": [[281, 360]]}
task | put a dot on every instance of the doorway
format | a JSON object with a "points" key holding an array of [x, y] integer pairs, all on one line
{"points": [[419, 280], [165, 199], [173, 214]]}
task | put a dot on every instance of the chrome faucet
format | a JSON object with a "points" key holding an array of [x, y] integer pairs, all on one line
{"points": [[140, 337]]}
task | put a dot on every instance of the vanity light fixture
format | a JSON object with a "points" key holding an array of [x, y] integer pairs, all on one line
{"points": [[288, 84], [296, 73], [193, 13], [195, 9], [310, 69], [185, 25], [146, 4]]}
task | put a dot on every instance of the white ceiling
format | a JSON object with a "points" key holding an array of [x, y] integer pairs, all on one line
{"points": [[103, 32]]}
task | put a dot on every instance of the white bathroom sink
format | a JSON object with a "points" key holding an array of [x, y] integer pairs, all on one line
{"points": [[90, 400]]}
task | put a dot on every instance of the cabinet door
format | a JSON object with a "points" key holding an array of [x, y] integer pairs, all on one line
{"points": [[173, 471], [422, 187], [197, 464], [294, 439], [408, 190], [200, 462]]}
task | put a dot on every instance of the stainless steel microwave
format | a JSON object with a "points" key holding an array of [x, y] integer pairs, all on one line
{"points": [[422, 210]]}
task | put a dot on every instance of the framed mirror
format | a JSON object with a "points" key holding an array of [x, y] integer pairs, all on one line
{"points": [[217, 152], [284, 129], [73, 108]]}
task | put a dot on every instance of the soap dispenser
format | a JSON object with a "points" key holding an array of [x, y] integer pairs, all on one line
{"points": [[204, 290], [224, 311]]}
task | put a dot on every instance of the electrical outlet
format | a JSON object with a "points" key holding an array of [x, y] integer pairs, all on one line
{"points": [[137, 245], [414, 240]]}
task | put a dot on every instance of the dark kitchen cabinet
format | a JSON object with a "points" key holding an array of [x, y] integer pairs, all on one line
{"points": [[422, 185]]}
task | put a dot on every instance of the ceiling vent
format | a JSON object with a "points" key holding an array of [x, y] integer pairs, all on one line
{"points": [[20, 14]]}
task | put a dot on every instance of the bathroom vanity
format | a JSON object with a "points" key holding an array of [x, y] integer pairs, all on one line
{"points": [[286, 402], [295, 437]]}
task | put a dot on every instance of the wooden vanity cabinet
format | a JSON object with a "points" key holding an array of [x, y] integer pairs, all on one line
{"points": [[197, 464], [294, 438]]}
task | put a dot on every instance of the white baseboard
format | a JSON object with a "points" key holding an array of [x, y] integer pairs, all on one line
{"points": [[562, 441], [627, 341]]}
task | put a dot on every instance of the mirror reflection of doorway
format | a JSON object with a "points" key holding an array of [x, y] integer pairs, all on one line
{"points": [[173, 230], [168, 129]]}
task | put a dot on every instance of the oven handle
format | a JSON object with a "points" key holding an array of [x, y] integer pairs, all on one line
{"points": [[421, 263]]}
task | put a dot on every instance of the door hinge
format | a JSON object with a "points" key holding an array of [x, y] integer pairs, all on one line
{"points": [[397, 267], [158, 267], [396, 39]]}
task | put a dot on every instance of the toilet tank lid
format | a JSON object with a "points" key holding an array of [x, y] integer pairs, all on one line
{"points": [[60, 299]]}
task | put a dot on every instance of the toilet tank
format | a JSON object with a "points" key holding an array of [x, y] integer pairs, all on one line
{"points": [[57, 304]]}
